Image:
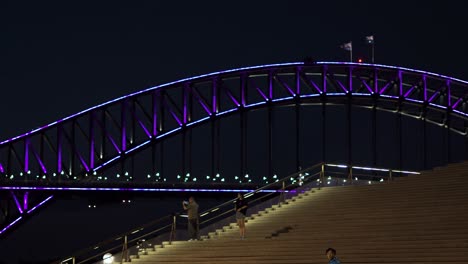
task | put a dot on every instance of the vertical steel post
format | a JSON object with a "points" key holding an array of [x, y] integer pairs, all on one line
{"points": [[270, 140], [124, 251], [424, 137], [298, 118]]}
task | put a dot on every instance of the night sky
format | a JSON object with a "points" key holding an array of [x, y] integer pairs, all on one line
{"points": [[59, 58]]}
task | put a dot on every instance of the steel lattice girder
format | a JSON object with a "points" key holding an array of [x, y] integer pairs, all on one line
{"points": [[85, 143]]}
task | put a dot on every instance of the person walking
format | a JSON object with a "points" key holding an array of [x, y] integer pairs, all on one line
{"points": [[241, 211], [331, 255], [192, 213]]}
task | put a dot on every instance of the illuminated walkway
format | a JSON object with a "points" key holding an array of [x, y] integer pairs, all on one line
{"points": [[418, 219]]}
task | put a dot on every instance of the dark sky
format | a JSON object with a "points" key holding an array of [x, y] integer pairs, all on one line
{"points": [[60, 58]]}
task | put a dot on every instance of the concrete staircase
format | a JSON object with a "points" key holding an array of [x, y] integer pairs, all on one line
{"points": [[418, 219]]}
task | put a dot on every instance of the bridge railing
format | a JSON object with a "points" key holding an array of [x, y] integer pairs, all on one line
{"points": [[171, 227]]}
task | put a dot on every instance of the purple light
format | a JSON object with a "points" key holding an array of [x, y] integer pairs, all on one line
{"points": [[367, 86], [41, 203], [25, 201], [10, 225], [453, 106], [17, 203], [144, 128], [113, 143], [342, 86], [409, 91], [262, 94], [126, 190], [232, 97], [39, 160], [433, 96], [385, 88], [2, 170], [205, 107], [175, 117], [83, 162], [26, 155]]}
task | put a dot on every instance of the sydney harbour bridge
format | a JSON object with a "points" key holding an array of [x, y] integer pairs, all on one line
{"points": [[204, 132]]}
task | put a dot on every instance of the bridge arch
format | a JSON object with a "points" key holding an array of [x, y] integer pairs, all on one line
{"points": [[78, 149]]}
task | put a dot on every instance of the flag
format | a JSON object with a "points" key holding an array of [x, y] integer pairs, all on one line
{"points": [[347, 46], [370, 39]]}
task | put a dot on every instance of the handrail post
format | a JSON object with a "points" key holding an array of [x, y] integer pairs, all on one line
{"points": [[350, 175], [283, 187], [173, 228], [390, 176], [124, 251], [322, 175]]}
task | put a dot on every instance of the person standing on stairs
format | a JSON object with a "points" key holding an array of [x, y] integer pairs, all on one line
{"points": [[331, 255], [192, 212], [241, 211]]}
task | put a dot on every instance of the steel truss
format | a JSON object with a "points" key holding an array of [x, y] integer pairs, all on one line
{"points": [[76, 150]]}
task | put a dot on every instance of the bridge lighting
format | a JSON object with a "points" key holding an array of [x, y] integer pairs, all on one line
{"points": [[21, 173], [62, 172], [29, 172], [344, 180], [188, 174], [207, 177], [329, 178], [274, 176], [246, 176], [251, 180], [194, 179], [370, 182], [217, 175], [105, 178], [222, 179], [43, 176], [126, 173], [94, 173], [356, 178], [12, 176], [328, 182], [149, 176], [236, 178], [178, 176], [118, 175], [359, 60], [53, 174], [381, 180], [157, 174]]}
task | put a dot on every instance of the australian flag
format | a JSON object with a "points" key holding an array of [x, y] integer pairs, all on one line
{"points": [[347, 46], [370, 39]]}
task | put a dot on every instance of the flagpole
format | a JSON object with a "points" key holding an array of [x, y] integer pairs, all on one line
{"points": [[373, 52]]}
